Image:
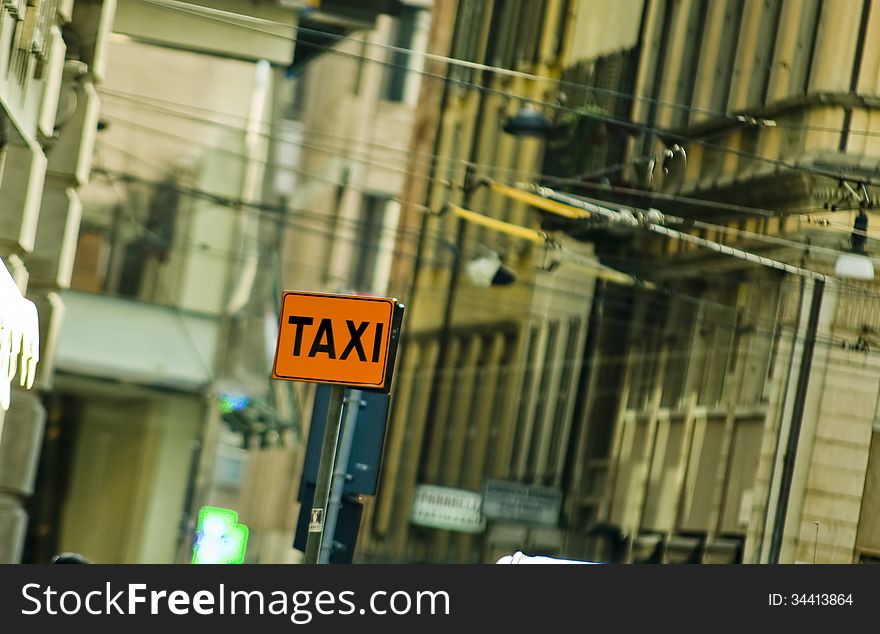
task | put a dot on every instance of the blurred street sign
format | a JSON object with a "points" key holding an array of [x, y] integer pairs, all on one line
{"points": [[21, 328], [347, 526], [449, 509], [346, 340], [220, 539], [366, 449], [515, 502]]}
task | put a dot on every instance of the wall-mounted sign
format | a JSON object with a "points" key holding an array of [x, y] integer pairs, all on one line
{"points": [[338, 339], [220, 539], [515, 502], [19, 337], [449, 509]]}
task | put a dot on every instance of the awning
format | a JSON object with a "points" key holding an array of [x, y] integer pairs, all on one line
{"points": [[322, 28], [137, 342]]}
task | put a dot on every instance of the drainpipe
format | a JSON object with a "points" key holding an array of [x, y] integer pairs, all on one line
{"points": [[857, 69], [797, 417]]}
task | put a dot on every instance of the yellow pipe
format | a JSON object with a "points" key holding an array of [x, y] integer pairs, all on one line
{"points": [[610, 274], [601, 271], [499, 225], [560, 209]]}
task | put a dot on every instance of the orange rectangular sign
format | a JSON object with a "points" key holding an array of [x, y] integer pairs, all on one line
{"points": [[342, 339]]}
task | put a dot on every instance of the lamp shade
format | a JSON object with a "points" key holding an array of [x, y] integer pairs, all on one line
{"points": [[528, 122], [489, 271]]}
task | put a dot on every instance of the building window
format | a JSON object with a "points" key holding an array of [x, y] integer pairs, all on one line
{"points": [[531, 25], [468, 36], [370, 234], [403, 36]]}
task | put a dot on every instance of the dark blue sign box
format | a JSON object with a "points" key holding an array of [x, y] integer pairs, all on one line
{"points": [[366, 450]]}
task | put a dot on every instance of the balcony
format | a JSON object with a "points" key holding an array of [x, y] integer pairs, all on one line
{"points": [[248, 30], [120, 340]]}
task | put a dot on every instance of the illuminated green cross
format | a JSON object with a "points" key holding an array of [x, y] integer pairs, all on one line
{"points": [[220, 539]]}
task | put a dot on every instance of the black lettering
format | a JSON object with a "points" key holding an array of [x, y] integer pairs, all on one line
{"points": [[299, 321], [377, 342], [325, 329], [355, 342]]}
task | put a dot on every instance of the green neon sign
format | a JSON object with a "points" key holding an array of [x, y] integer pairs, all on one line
{"points": [[220, 539]]}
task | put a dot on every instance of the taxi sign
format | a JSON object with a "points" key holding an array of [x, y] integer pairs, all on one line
{"points": [[338, 339]]}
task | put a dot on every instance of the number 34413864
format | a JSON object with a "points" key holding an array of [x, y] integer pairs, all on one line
{"points": [[821, 599]]}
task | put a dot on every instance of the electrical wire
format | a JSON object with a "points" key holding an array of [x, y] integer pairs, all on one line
{"points": [[848, 288], [276, 129], [716, 246], [329, 233], [518, 175], [652, 224], [732, 117], [374, 243], [411, 158], [687, 351], [761, 237], [667, 134], [502, 189], [476, 302], [275, 165]]}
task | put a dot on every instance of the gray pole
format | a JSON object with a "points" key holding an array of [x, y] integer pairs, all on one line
{"points": [[352, 407], [325, 472], [797, 417]]}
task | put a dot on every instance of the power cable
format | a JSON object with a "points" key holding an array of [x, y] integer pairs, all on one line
{"points": [[666, 134], [231, 18], [520, 174], [234, 203], [547, 178]]}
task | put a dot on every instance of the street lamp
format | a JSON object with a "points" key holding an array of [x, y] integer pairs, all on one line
{"points": [[529, 122], [488, 270]]}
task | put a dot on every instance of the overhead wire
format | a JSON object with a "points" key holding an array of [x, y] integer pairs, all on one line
{"points": [[716, 246], [668, 134], [829, 341], [517, 175], [847, 288], [608, 299], [732, 117], [524, 196], [212, 198], [442, 238], [537, 286], [274, 164], [761, 237], [380, 61], [372, 161], [533, 200]]}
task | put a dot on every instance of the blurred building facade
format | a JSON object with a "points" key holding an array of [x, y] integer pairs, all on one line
{"points": [[690, 459], [53, 58], [227, 168], [345, 155], [157, 287], [489, 377], [210, 190], [666, 423]]}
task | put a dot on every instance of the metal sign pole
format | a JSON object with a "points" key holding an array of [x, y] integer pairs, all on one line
{"points": [[353, 405], [325, 474]]}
